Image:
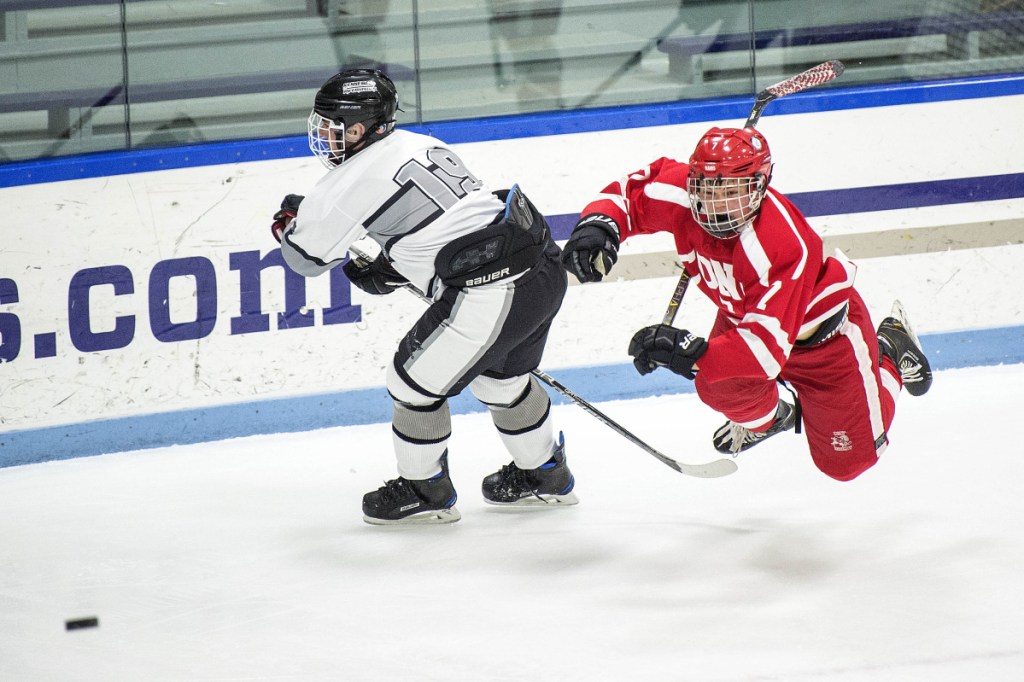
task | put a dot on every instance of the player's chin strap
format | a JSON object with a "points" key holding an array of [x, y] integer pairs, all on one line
{"points": [[714, 469]]}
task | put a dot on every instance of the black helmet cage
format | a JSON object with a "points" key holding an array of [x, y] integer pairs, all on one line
{"points": [[356, 96]]}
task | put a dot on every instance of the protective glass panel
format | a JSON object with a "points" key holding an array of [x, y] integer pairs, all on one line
{"points": [[243, 69], [91, 75], [885, 42], [62, 85]]}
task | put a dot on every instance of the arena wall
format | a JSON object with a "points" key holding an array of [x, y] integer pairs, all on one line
{"points": [[150, 307]]}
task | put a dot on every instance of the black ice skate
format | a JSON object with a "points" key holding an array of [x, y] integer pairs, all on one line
{"points": [[549, 484], [898, 342], [413, 502], [732, 438]]}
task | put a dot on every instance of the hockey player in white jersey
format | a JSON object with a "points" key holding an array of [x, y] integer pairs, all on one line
{"points": [[484, 258]]}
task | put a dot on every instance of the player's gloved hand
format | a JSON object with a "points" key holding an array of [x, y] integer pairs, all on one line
{"points": [[663, 346], [377, 278], [284, 217], [592, 249]]}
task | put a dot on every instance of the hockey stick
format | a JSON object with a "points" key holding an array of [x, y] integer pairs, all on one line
{"points": [[715, 469], [812, 77], [677, 298]]}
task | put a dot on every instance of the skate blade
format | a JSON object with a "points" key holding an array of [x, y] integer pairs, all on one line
{"points": [[544, 502], [900, 313], [435, 516]]}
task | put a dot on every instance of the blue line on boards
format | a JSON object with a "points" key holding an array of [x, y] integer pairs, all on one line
{"points": [[949, 350], [509, 127]]}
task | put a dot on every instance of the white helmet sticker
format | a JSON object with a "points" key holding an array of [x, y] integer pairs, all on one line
{"points": [[356, 87]]}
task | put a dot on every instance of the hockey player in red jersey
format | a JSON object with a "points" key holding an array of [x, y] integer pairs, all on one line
{"points": [[786, 310]]}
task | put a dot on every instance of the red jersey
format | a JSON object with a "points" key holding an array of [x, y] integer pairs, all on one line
{"points": [[773, 282]]}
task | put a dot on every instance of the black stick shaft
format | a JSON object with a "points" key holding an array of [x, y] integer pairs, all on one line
{"points": [[714, 469]]}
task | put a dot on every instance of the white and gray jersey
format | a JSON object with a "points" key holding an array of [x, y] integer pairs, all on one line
{"points": [[409, 192]]}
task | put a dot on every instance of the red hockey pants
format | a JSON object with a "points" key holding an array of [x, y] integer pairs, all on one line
{"points": [[847, 400]]}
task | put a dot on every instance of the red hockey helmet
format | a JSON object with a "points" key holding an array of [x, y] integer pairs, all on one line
{"points": [[729, 174]]}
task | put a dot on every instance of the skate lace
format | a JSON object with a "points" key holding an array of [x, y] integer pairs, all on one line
{"points": [[738, 435], [516, 479], [394, 489]]}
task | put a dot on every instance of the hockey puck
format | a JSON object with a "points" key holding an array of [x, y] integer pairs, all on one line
{"points": [[82, 623]]}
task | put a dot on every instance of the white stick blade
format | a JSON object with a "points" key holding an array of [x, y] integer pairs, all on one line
{"points": [[715, 469]]}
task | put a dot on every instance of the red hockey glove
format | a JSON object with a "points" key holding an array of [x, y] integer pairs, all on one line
{"points": [[662, 346], [284, 217]]}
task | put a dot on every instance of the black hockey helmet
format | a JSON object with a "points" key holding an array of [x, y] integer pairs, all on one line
{"points": [[364, 96]]}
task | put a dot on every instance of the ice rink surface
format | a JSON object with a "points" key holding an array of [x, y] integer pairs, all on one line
{"points": [[249, 560]]}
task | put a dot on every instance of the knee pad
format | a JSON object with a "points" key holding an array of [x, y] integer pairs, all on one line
{"points": [[499, 392], [517, 413], [404, 392]]}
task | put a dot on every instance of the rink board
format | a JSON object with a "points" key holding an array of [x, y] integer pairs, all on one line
{"points": [[148, 308]]}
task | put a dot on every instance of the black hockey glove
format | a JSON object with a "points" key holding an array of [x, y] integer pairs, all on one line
{"points": [[376, 278], [663, 346], [284, 217], [592, 249]]}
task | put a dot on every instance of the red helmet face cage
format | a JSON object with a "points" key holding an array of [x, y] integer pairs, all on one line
{"points": [[729, 174]]}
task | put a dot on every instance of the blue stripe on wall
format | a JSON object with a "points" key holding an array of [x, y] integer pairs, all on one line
{"points": [[910, 195], [508, 127], [603, 383], [880, 198]]}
